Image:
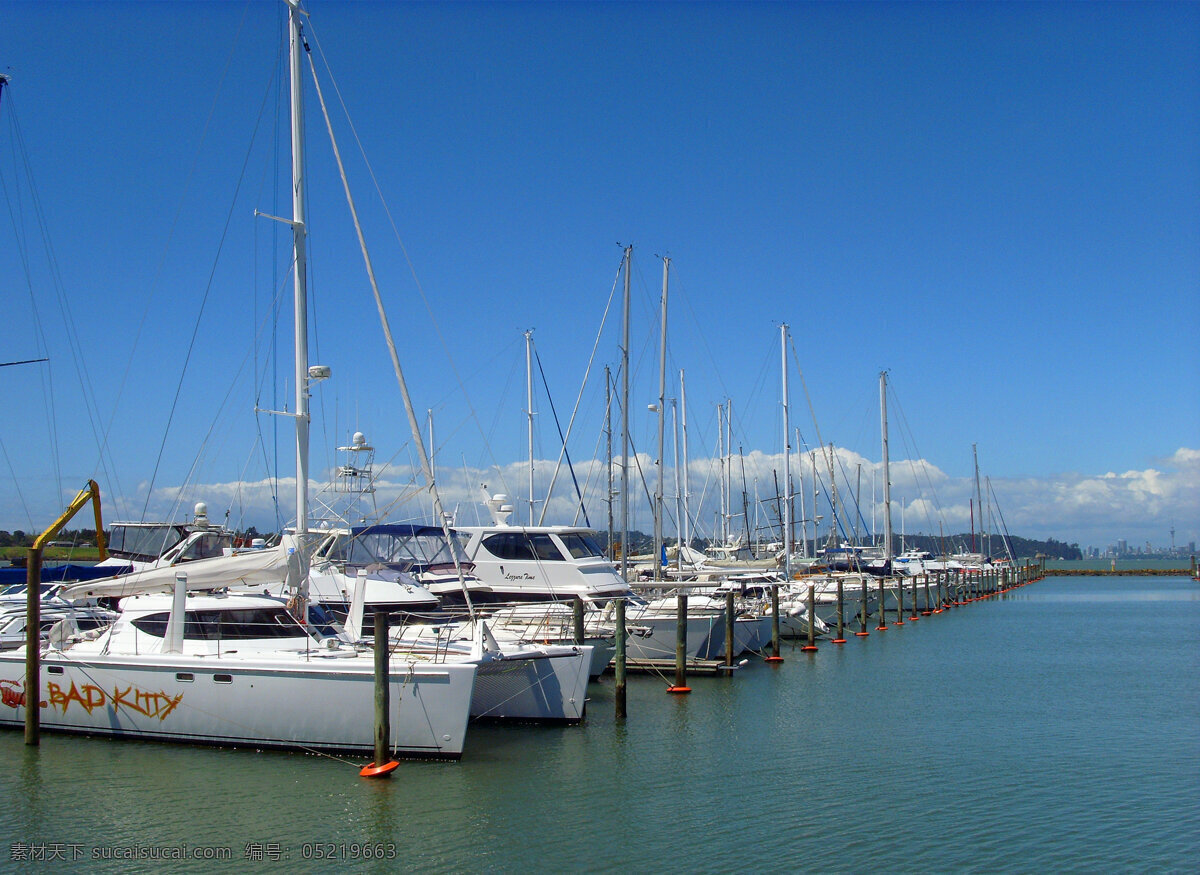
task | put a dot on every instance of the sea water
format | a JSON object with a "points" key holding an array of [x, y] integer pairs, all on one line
{"points": [[1053, 728]]}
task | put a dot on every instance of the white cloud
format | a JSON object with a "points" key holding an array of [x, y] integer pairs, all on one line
{"points": [[1091, 510]]}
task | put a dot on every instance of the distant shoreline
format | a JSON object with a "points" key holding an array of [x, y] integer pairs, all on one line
{"points": [[1119, 572]]}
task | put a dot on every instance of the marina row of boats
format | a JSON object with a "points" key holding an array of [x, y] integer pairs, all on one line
{"points": [[188, 634], [203, 643]]}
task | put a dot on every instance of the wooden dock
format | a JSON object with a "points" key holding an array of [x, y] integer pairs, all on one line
{"points": [[667, 666]]}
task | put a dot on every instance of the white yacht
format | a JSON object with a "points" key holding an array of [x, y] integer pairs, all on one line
{"points": [[237, 669], [556, 563]]}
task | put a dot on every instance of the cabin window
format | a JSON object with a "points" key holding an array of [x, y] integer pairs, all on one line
{"points": [[511, 546], [223, 678], [582, 546], [226, 625], [85, 624], [185, 676], [522, 546], [55, 669]]}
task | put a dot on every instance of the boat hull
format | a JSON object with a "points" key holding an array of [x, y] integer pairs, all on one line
{"points": [[322, 704], [542, 688]]}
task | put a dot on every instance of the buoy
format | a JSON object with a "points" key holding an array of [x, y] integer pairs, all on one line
{"points": [[838, 641], [373, 771], [773, 659], [674, 689], [809, 648], [863, 634]]}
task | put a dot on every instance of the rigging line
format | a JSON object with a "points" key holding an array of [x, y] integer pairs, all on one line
{"points": [[410, 411], [857, 507], [21, 163], [1007, 544], [906, 434], [207, 287], [563, 439], [487, 438], [578, 398], [687, 303], [407, 258], [804, 385], [17, 485], [594, 469], [207, 436]]}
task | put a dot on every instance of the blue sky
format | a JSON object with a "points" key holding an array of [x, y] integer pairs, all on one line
{"points": [[997, 203]]}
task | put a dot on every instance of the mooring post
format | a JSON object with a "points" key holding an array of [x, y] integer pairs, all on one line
{"points": [[862, 609], [577, 616], [33, 647], [841, 633], [774, 657], [811, 646], [915, 615], [729, 617], [619, 660], [680, 685], [383, 728], [882, 627], [899, 601], [928, 603]]}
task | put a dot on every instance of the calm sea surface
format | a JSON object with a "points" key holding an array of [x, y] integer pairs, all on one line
{"points": [[1056, 728]]}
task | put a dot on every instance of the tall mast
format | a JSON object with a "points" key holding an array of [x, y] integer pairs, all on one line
{"points": [[300, 288], [787, 459], [608, 452], [432, 456], [687, 512], [678, 494], [662, 415], [529, 413], [887, 480], [625, 422], [720, 533], [729, 466], [978, 502]]}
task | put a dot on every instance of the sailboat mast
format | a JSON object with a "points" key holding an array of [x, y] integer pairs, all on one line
{"points": [[662, 414], [887, 480], [787, 458], [720, 533], [299, 232], [687, 511], [978, 502], [608, 452], [529, 413], [678, 493], [625, 422]]}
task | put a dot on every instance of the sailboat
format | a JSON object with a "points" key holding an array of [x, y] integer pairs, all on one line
{"points": [[239, 668]]}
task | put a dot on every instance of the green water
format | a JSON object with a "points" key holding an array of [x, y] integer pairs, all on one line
{"points": [[1055, 728]]}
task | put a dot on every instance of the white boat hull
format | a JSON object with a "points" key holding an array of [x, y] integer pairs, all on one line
{"points": [[322, 704], [537, 688]]}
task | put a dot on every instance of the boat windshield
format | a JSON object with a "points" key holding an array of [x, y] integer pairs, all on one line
{"points": [[207, 546], [419, 549], [581, 545], [143, 542]]}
